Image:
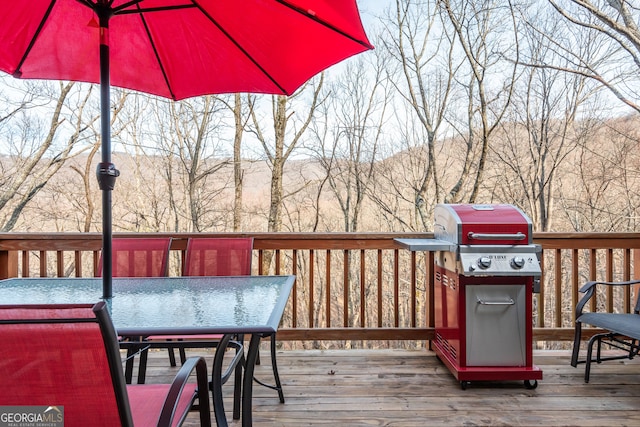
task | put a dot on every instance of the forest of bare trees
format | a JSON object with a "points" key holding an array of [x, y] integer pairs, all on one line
{"points": [[535, 103]]}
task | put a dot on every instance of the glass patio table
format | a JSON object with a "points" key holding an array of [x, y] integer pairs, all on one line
{"points": [[174, 306]]}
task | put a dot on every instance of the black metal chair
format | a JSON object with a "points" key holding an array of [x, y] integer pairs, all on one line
{"points": [[619, 330], [226, 256]]}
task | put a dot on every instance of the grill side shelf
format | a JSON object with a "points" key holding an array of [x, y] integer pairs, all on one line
{"points": [[427, 245]]}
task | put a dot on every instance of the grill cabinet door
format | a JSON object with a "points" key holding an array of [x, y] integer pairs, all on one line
{"points": [[496, 325]]}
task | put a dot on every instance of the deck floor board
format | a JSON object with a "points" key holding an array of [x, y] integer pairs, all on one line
{"points": [[413, 388]]}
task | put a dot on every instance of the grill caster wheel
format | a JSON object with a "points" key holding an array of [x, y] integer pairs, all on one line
{"points": [[464, 384], [530, 385]]}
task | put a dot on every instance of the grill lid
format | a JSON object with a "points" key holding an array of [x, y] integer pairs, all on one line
{"points": [[482, 240], [491, 240], [468, 224]]}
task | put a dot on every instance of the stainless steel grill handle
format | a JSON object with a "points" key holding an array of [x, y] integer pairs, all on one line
{"points": [[508, 302], [488, 236]]}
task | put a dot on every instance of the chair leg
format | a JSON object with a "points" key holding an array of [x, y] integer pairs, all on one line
{"points": [[128, 369], [278, 386], [172, 357], [587, 368], [576, 344], [632, 345], [142, 366]]}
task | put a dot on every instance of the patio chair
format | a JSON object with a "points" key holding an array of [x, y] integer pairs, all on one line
{"points": [[618, 330], [216, 257], [139, 257], [226, 257], [65, 359]]}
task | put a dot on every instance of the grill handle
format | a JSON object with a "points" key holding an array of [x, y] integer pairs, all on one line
{"points": [[509, 302], [488, 236]]}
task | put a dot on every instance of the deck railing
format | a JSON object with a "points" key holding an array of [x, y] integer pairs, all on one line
{"points": [[358, 289]]}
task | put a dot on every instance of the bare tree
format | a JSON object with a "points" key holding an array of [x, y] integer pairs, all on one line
{"points": [[617, 66], [86, 204], [538, 134], [238, 173], [600, 192], [37, 149], [194, 140], [415, 40], [279, 147], [241, 111], [487, 34], [349, 131]]}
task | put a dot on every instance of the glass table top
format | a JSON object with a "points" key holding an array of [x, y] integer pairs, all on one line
{"points": [[168, 305]]}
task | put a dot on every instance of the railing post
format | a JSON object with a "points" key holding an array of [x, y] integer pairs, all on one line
{"points": [[8, 264]]}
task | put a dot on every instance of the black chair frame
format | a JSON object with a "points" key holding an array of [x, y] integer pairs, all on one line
{"points": [[619, 330]]}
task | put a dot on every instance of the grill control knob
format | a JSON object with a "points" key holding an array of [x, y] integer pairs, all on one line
{"points": [[517, 262], [484, 262]]}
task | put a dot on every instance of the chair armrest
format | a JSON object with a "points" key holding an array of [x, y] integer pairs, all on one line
{"points": [[589, 290], [180, 380]]}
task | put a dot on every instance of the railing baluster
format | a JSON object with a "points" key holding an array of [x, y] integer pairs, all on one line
{"points": [[593, 273], [413, 286], [609, 278], [311, 290], [294, 303], [396, 290], [558, 289], [575, 279], [26, 271], [626, 277], [346, 288], [77, 263], [379, 285], [43, 264], [363, 281], [328, 287], [60, 263]]}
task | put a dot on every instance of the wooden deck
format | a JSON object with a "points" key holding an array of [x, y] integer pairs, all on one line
{"points": [[412, 388]]}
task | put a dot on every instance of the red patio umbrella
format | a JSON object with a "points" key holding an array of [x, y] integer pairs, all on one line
{"points": [[176, 49]]}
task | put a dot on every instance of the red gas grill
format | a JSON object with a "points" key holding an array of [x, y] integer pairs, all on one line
{"points": [[485, 271]]}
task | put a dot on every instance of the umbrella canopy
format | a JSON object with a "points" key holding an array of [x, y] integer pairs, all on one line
{"points": [[176, 49], [181, 48]]}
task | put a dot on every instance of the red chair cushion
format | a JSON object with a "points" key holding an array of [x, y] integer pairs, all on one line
{"points": [[147, 400]]}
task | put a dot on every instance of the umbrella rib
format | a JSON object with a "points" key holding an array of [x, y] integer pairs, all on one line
{"points": [[309, 14], [17, 73], [140, 10], [155, 52], [125, 5], [240, 48]]}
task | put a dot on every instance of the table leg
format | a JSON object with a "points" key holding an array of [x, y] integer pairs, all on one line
{"points": [[216, 381], [247, 387]]}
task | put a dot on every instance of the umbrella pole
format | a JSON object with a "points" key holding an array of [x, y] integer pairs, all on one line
{"points": [[106, 172]]}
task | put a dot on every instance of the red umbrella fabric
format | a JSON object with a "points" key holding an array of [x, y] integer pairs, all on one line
{"points": [[176, 49], [181, 48]]}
